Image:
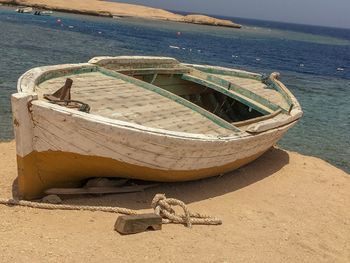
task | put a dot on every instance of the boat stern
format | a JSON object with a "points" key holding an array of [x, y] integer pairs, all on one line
{"points": [[28, 178]]}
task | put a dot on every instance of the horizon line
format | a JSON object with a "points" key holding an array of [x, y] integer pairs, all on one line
{"points": [[258, 19]]}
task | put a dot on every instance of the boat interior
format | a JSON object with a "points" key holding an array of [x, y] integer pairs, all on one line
{"points": [[176, 98]]}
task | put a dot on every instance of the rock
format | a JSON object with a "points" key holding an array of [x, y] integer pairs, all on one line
{"points": [[52, 199], [133, 224], [115, 9], [207, 20]]}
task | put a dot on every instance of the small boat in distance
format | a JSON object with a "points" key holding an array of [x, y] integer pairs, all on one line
{"points": [[24, 10], [43, 13], [148, 118]]}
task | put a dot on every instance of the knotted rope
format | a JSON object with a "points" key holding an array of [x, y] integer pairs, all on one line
{"points": [[163, 206]]}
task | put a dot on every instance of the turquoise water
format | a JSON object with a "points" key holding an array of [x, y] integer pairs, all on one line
{"points": [[307, 57]]}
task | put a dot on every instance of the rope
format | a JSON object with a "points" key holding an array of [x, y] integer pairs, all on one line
{"points": [[81, 106], [163, 206], [108, 209]]}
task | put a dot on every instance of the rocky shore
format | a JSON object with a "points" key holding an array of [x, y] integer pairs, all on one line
{"points": [[111, 9]]}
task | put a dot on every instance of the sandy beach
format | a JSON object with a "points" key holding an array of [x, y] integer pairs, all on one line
{"points": [[284, 207], [104, 8]]}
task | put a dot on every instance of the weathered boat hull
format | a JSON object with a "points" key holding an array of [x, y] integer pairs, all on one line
{"points": [[59, 147], [63, 155]]}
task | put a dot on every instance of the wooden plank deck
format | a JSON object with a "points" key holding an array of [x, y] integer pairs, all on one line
{"points": [[117, 99], [258, 88]]}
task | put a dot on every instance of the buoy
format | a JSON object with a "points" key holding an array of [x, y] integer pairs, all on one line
{"points": [[58, 20], [178, 33]]}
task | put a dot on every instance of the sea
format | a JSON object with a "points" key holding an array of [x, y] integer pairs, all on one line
{"points": [[314, 62]]}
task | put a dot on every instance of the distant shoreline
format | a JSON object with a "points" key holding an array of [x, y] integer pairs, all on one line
{"points": [[115, 9]]}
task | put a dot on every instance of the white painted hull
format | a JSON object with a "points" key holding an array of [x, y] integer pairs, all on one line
{"points": [[143, 148], [156, 156]]}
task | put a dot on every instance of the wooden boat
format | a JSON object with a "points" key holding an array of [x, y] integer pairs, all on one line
{"points": [[24, 10], [43, 13], [150, 118]]}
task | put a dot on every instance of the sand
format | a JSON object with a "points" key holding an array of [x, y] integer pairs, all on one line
{"points": [[105, 8], [284, 207]]}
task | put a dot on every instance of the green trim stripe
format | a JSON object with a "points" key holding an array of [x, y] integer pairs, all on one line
{"points": [[231, 86], [233, 94], [275, 86], [56, 73], [246, 75]]}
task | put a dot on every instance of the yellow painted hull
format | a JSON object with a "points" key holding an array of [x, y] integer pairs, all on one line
{"points": [[40, 171]]}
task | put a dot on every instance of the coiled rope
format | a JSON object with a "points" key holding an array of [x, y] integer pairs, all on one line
{"points": [[162, 206]]}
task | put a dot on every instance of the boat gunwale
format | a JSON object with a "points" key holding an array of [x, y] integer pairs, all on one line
{"points": [[132, 60], [261, 118], [27, 82], [210, 69]]}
